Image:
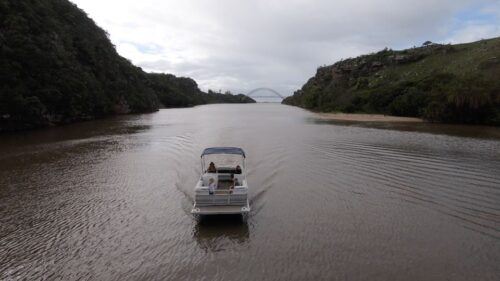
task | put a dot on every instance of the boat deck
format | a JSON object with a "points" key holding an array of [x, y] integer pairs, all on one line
{"points": [[224, 184]]}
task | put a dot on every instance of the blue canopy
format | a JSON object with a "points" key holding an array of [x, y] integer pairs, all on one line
{"points": [[223, 150]]}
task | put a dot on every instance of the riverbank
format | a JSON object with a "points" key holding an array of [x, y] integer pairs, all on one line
{"points": [[441, 83], [361, 117]]}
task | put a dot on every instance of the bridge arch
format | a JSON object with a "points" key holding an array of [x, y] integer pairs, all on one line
{"points": [[272, 91]]}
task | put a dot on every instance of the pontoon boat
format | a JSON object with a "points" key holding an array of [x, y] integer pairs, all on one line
{"points": [[222, 188]]}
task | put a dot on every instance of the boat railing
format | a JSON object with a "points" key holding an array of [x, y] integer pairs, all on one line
{"points": [[221, 199]]}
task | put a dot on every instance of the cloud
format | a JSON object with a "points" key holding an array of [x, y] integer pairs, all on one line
{"points": [[477, 23], [474, 32], [241, 45]]}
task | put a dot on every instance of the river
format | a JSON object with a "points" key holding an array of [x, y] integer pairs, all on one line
{"points": [[111, 199]]}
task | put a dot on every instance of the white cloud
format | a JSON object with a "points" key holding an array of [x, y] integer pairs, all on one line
{"points": [[474, 32], [484, 27], [243, 44]]}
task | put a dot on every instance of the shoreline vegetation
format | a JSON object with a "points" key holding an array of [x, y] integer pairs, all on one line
{"points": [[435, 82], [58, 67]]}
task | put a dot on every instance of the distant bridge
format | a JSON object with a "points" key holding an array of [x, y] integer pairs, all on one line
{"points": [[275, 94]]}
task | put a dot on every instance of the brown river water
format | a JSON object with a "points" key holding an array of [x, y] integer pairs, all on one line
{"points": [[111, 199]]}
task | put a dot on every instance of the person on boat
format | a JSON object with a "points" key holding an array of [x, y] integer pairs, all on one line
{"points": [[238, 169], [211, 168], [234, 183], [211, 186]]}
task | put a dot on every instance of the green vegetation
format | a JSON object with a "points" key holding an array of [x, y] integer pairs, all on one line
{"points": [[441, 83], [57, 66], [181, 92]]}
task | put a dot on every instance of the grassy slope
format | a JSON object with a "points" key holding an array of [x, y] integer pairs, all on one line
{"points": [[464, 60]]}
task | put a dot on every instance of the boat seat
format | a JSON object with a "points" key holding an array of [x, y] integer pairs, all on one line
{"points": [[239, 177], [226, 170]]}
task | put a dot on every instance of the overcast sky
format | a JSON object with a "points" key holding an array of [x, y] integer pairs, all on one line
{"points": [[240, 45]]}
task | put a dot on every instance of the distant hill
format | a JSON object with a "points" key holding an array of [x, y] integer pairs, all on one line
{"points": [[181, 91], [57, 66], [443, 83]]}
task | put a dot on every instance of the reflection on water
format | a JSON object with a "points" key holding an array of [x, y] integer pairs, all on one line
{"points": [[471, 131], [214, 233], [111, 199]]}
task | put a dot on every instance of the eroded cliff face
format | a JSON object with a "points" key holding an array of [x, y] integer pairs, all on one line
{"points": [[347, 72]]}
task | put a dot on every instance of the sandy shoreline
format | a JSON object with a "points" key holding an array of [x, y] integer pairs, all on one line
{"points": [[367, 117]]}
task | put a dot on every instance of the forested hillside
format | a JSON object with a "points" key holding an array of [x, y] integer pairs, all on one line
{"points": [[57, 66], [168, 87], [442, 83]]}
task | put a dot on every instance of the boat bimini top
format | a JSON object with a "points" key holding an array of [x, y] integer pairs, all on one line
{"points": [[223, 150], [222, 156]]}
